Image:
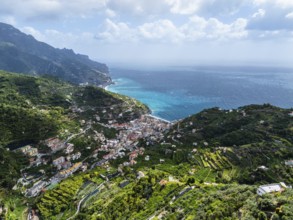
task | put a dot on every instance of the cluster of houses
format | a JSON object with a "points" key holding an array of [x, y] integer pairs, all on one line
{"points": [[41, 185], [55, 144], [134, 154], [61, 163], [69, 148], [126, 141], [129, 134], [99, 137], [64, 163], [28, 150], [36, 188], [67, 172]]}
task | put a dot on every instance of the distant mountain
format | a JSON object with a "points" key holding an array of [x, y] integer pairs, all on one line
{"points": [[22, 53]]}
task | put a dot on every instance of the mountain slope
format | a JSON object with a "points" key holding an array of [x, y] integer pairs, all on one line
{"points": [[33, 109], [208, 166], [23, 54]]}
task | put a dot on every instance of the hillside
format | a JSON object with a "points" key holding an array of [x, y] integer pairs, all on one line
{"points": [[212, 172], [247, 145], [33, 109], [23, 54], [100, 156]]}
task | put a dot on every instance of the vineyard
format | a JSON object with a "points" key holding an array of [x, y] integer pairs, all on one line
{"points": [[214, 160]]}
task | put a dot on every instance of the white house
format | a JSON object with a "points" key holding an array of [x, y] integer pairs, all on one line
{"points": [[69, 149], [263, 168], [36, 189], [289, 163], [264, 189], [76, 156], [140, 175]]}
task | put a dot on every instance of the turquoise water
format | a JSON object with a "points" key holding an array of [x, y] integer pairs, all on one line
{"points": [[176, 93], [170, 105]]}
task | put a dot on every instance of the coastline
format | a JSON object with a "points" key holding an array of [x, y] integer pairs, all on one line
{"points": [[158, 118], [105, 86], [150, 115]]}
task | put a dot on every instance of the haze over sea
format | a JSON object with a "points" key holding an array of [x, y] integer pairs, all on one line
{"points": [[177, 92]]}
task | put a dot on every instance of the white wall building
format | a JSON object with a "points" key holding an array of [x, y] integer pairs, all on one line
{"points": [[264, 189]]}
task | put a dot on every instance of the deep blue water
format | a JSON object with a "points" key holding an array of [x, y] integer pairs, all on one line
{"points": [[175, 93]]}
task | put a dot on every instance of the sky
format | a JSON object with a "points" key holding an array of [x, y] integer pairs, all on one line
{"points": [[161, 32]]}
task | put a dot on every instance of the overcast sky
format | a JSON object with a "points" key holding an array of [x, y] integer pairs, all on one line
{"points": [[161, 31]]}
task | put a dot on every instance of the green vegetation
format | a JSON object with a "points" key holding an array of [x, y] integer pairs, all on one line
{"points": [[231, 202], [14, 206], [212, 179], [246, 125], [234, 144], [158, 196], [10, 166], [57, 201], [207, 166], [33, 109]]}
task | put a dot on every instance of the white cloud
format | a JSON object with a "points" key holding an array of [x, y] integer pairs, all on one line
{"points": [[110, 13], [185, 6], [284, 3], [212, 29], [274, 15], [162, 30], [205, 7], [51, 9], [34, 8], [259, 14], [61, 40], [116, 32], [289, 15], [168, 23], [8, 19], [35, 33], [260, 2], [138, 8], [165, 31], [279, 3]]}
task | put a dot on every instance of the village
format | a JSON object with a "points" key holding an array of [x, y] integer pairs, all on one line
{"points": [[124, 145], [69, 161]]}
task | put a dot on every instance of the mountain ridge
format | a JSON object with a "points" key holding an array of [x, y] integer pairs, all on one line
{"points": [[22, 53]]}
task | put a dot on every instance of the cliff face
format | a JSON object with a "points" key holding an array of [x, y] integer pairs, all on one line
{"points": [[22, 53]]}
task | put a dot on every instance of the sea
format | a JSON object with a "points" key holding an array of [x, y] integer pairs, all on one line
{"points": [[173, 93]]}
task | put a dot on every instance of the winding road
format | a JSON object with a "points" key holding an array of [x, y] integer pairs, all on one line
{"points": [[82, 200]]}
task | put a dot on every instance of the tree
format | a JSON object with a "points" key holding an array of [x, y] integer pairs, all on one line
{"points": [[262, 216], [190, 180]]}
